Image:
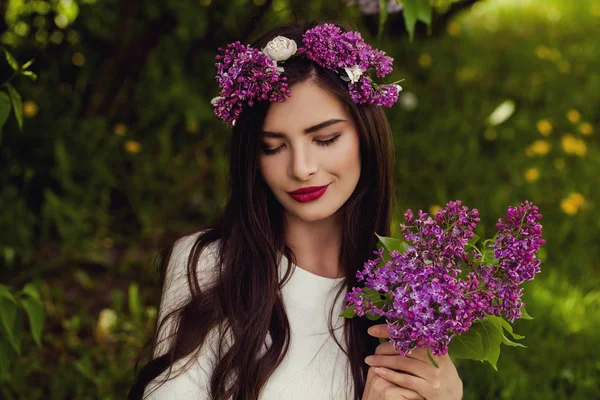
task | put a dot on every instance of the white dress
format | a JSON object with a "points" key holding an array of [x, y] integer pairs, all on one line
{"points": [[314, 367]]}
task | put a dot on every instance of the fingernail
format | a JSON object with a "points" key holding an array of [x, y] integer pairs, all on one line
{"points": [[372, 331], [380, 371], [369, 360]]}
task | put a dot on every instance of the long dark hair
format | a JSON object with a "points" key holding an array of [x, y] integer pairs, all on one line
{"points": [[245, 297]]}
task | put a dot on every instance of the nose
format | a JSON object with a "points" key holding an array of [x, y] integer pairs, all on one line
{"points": [[303, 164]]}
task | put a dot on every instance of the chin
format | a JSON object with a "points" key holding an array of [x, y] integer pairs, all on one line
{"points": [[313, 214]]}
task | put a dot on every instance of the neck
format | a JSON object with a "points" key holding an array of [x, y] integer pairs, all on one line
{"points": [[316, 244]]}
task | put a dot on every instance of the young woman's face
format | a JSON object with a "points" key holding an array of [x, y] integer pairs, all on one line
{"points": [[310, 140]]}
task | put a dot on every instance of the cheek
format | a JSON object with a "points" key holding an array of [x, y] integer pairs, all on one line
{"points": [[347, 157], [268, 169]]}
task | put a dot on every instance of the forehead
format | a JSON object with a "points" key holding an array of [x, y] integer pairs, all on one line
{"points": [[307, 106]]}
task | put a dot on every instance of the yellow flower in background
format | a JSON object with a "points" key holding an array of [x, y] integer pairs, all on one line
{"points": [[559, 164], [425, 60], [131, 146], [573, 203], [568, 207], [554, 55], [120, 129], [540, 147], [544, 127], [586, 128], [564, 67], [595, 9], [572, 145], [532, 174], [543, 52], [577, 199], [105, 325], [433, 209], [573, 116], [30, 109], [454, 29]]}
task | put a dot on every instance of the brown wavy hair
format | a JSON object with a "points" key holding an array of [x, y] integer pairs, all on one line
{"points": [[245, 297]]}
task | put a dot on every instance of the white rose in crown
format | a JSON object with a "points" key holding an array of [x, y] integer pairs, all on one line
{"points": [[280, 48], [354, 74]]}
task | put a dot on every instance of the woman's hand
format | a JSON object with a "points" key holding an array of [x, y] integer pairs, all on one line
{"points": [[378, 388], [415, 372]]}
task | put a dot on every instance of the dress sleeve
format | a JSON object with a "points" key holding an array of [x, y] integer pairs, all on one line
{"points": [[176, 289], [194, 381]]}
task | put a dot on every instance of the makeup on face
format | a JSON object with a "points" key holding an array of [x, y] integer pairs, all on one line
{"points": [[308, 193]]}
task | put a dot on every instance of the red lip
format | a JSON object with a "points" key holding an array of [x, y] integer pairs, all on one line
{"points": [[308, 193], [308, 189]]}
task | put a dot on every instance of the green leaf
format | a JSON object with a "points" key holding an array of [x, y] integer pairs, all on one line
{"points": [[431, 358], [491, 338], [415, 10], [383, 16], [85, 368], [12, 61], [509, 342], [391, 243], [481, 342], [35, 312], [6, 293], [17, 104], [6, 356], [525, 314], [4, 108], [348, 312], [27, 64], [488, 256], [473, 240], [31, 290], [506, 325], [135, 303], [11, 323], [372, 317], [468, 345], [30, 74]]}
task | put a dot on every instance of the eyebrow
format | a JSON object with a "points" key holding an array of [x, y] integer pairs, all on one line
{"points": [[311, 129]]}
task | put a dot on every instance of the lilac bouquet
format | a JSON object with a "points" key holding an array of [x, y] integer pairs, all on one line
{"points": [[437, 289]]}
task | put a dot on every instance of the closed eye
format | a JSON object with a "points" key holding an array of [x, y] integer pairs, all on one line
{"points": [[323, 143]]}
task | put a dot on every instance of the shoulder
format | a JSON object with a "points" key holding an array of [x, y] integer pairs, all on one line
{"points": [[177, 281]]}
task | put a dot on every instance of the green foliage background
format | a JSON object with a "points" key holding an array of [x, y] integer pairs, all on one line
{"points": [[120, 154]]}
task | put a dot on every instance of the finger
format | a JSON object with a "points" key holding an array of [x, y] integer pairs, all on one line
{"points": [[420, 353], [379, 331], [421, 369], [386, 348], [410, 385]]}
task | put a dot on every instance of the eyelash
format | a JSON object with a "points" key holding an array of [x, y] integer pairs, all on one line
{"points": [[323, 143]]}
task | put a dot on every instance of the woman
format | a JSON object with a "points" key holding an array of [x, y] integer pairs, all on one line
{"points": [[250, 306]]}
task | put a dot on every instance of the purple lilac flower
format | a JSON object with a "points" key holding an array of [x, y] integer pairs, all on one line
{"points": [[333, 49], [429, 301], [519, 239], [443, 238], [246, 74]]}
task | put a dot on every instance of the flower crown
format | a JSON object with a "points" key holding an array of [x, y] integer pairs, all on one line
{"points": [[247, 74]]}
